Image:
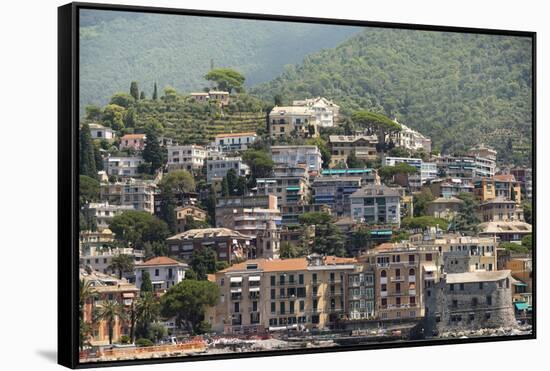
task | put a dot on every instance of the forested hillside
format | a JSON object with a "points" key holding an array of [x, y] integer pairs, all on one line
{"points": [[119, 47], [459, 89]]}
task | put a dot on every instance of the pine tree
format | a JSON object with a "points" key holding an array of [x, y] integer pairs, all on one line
{"points": [[87, 153], [155, 92], [134, 90], [153, 153]]}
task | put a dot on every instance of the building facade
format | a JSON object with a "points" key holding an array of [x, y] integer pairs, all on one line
{"points": [[335, 192], [135, 193], [293, 121], [307, 155], [164, 272], [217, 167], [122, 166], [341, 146], [189, 157], [232, 142], [376, 205]]}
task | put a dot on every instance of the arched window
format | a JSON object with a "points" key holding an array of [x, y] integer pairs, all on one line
{"points": [[383, 274], [411, 272]]}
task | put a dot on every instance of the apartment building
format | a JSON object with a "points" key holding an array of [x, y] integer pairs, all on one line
{"points": [[500, 209], [217, 167], [102, 213], [361, 304], [232, 142], [290, 184], [444, 208], [375, 204], [220, 97], [466, 167], [290, 213], [122, 165], [400, 272], [335, 192], [164, 272], [189, 157], [135, 193], [450, 187], [228, 245], [425, 170], [262, 294], [412, 139], [101, 260], [341, 146], [106, 288], [368, 176], [502, 186], [326, 111], [307, 155], [293, 121]]}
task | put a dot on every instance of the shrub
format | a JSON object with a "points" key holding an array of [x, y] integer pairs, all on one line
{"points": [[144, 343], [124, 339]]}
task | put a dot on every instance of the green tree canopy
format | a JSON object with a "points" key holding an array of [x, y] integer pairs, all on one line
{"points": [[226, 79], [203, 262], [375, 123], [421, 200], [137, 227], [314, 218], [123, 100], [260, 163], [180, 181], [88, 189], [146, 284], [153, 153], [134, 90], [423, 222], [122, 263], [87, 154], [188, 301]]}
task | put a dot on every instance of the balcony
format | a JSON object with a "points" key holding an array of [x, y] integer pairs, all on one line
{"points": [[397, 279], [383, 294], [412, 278], [336, 293], [412, 292], [383, 280]]}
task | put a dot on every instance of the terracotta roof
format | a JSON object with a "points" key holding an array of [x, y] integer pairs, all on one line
{"points": [[208, 233], [133, 136], [445, 200], [160, 260]]}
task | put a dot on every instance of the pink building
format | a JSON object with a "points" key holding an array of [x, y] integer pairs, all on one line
{"points": [[135, 141]]}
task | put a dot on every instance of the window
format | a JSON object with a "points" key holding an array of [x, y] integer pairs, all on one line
{"points": [[157, 272], [272, 307], [461, 287], [452, 287], [487, 315], [471, 317], [272, 278], [272, 294], [474, 302], [384, 302], [411, 272], [398, 273], [455, 303], [412, 300], [383, 287], [301, 279], [489, 299], [429, 257], [481, 285], [398, 301], [302, 305], [383, 274]]}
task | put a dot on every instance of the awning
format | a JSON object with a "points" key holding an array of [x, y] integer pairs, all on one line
{"points": [[128, 295], [157, 282], [253, 278], [236, 279], [292, 188], [254, 289], [430, 268], [519, 284], [236, 290], [521, 305]]}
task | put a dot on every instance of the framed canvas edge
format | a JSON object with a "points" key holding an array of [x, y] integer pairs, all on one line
{"points": [[68, 119]]}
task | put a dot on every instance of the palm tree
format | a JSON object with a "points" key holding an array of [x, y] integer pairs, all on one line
{"points": [[110, 311], [147, 311], [85, 293], [122, 263]]}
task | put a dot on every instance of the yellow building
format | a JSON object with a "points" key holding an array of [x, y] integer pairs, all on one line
{"points": [[261, 294]]}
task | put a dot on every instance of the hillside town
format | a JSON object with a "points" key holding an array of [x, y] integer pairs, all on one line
{"points": [[319, 229]]}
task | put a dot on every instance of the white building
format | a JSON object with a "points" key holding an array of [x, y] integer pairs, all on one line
{"points": [[235, 141], [164, 272], [98, 131], [189, 157], [122, 166], [217, 166], [293, 121], [326, 111], [103, 213], [425, 170], [296, 155], [140, 195], [412, 139]]}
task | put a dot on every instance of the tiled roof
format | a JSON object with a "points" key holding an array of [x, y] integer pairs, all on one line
{"points": [[505, 178], [133, 136], [208, 233], [285, 265], [229, 135], [160, 260]]}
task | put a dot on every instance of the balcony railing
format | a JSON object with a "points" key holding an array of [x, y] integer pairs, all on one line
{"points": [[397, 279]]}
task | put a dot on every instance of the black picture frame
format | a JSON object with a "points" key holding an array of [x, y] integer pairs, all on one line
{"points": [[68, 119]]}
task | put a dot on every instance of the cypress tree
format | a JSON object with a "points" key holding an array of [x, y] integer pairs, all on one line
{"points": [[168, 208], [146, 284], [155, 92], [87, 153], [225, 187], [142, 95], [153, 152], [134, 90]]}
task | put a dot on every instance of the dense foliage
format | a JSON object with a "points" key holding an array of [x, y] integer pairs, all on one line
{"points": [[118, 47], [458, 89]]}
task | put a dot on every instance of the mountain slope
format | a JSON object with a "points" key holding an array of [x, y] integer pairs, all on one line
{"points": [[459, 89], [119, 47]]}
